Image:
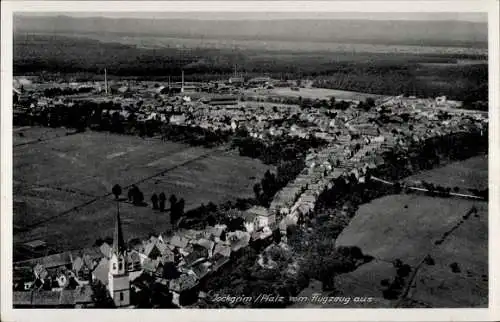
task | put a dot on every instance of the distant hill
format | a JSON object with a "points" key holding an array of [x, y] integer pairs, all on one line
{"points": [[427, 33]]}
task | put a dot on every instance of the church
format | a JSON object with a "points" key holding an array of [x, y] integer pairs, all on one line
{"points": [[118, 276]]}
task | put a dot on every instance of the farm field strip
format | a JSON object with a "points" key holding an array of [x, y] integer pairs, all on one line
{"points": [[450, 243], [410, 227], [44, 187], [35, 134], [470, 173], [470, 252]]}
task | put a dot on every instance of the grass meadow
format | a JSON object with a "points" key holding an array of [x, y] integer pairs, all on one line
{"points": [[62, 186], [410, 227]]}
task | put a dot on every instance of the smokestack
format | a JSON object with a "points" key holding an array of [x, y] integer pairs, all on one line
{"points": [[182, 84], [105, 81]]}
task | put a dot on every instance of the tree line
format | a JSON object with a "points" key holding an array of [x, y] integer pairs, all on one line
{"points": [[158, 201]]}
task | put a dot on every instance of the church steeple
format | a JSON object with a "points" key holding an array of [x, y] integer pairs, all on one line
{"points": [[118, 279], [118, 241]]}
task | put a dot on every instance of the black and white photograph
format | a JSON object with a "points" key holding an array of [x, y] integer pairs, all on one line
{"points": [[249, 160]]}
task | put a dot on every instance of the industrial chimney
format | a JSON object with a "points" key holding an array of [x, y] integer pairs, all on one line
{"points": [[105, 81], [182, 84]]}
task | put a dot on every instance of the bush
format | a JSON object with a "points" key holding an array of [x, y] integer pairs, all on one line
{"points": [[356, 252], [455, 268], [100, 296], [429, 260], [404, 270], [390, 294], [397, 263]]}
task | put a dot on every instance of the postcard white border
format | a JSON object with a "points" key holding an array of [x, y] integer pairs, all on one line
{"points": [[490, 314]]}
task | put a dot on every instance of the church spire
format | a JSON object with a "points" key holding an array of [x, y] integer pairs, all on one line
{"points": [[118, 278], [118, 242]]}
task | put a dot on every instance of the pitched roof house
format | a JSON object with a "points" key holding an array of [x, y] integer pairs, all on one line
{"points": [[222, 249], [79, 297]]}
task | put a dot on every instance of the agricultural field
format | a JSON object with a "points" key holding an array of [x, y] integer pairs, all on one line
{"points": [[410, 227], [26, 134], [62, 186], [468, 287], [324, 93], [154, 42], [313, 93], [467, 174]]}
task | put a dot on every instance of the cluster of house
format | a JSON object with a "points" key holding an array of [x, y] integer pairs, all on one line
{"points": [[58, 280], [414, 102], [180, 262], [298, 199], [263, 120], [150, 101], [357, 149], [185, 259]]}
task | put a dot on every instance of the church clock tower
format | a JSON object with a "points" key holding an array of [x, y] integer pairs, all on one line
{"points": [[118, 279]]}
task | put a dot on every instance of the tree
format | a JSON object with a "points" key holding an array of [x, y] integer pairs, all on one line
{"points": [[236, 224], [429, 260], [100, 296], [116, 124], [332, 102], [117, 190], [257, 189], [136, 195], [173, 200], [180, 207], [47, 284], [397, 263], [130, 193], [162, 198], [370, 102], [154, 201], [322, 262], [175, 212], [139, 198], [455, 268], [211, 221], [72, 284], [404, 270]]}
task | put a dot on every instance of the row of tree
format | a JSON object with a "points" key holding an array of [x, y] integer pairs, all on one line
{"points": [[57, 91], [158, 201], [272, 183], [195, 136], [107, 116], [275, 151]]}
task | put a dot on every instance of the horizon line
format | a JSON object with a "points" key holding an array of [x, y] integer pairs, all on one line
{"points": [[270, 16]]}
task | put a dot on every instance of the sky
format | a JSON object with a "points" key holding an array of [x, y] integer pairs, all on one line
{"points": [[473, 17]]}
